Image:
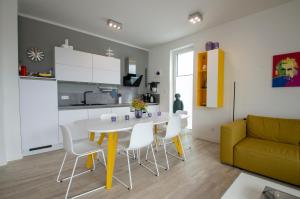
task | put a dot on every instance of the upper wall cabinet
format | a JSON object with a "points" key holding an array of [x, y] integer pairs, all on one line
{"points": [[106, 70], [210, 81], [72, 65], [77, 66]]}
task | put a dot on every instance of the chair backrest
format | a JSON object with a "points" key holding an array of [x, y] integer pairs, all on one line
{"points": [[67, 138], [107, 116], [184, 121], [181, 112], [174, 127], [141, 136]]}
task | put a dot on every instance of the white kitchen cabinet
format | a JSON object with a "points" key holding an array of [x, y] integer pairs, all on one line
{"points": [[96, 113], [106, 70], [73, 73], [153, 108], [39, 115], [120, 110], [72, 65], [69, 116]]}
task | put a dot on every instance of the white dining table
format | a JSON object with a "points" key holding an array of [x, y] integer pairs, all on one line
{"points": [[110, 130]]}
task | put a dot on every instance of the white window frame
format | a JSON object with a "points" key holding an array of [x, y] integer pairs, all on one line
{"points": [[174, 70]]}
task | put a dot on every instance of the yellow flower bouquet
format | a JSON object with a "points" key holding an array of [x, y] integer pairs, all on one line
{"points": [[138, 104]]}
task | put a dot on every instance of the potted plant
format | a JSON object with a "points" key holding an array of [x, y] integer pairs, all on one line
{"points": [[139, 106]]}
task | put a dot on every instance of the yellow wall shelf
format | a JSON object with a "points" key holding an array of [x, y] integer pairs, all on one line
{"points": [[210, 79]]}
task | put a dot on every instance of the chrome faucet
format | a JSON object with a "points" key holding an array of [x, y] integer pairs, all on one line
{"points": [[85, 95]]}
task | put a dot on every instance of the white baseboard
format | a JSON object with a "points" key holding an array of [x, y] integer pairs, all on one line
{"points": [[16, 157], [207, 139], [3, 163]]}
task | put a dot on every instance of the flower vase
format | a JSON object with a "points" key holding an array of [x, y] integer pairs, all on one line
{"points": [[138, 114]]}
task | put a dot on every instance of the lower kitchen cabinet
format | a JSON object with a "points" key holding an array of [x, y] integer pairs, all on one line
{"points": [[120, 110], [96, 113], [38, 113], [67, 117], [153, 108]]}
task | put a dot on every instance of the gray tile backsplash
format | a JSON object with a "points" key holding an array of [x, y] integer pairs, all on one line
{"points": [[102, 94]]}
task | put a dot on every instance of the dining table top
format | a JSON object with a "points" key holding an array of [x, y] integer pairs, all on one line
{"points": [[121, 125]]}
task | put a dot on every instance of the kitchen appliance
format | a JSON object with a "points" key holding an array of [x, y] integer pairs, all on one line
{"points": [[146, 97], [151, 99], [153, 86], [131, 79]]}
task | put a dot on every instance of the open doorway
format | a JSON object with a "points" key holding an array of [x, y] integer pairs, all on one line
{"points": [[183, 68]]}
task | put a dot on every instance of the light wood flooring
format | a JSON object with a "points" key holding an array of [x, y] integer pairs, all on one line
{"points": [[200, 176]]}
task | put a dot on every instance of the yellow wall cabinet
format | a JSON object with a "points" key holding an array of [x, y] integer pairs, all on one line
{"points": [[210, 79]]}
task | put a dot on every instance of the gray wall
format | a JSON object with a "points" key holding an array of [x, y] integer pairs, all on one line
{"points": [[45, 36], [75, 93]]}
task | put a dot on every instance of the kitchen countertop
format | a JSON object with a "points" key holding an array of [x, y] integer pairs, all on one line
{"points": [[69, 107]]}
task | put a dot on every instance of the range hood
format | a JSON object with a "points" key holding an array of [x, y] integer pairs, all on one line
{"points": [[131, 79]]}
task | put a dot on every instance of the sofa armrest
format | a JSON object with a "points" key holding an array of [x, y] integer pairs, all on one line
{"points": [[231, 134]]}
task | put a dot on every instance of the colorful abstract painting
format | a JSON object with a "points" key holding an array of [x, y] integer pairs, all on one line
{"points": [[286, 70]]}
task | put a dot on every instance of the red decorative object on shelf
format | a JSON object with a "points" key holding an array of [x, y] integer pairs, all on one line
{"points": [[23, 71]]}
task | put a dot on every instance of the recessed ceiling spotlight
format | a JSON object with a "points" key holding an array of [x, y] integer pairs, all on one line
{"points": [[195, 18], [114, 24]]}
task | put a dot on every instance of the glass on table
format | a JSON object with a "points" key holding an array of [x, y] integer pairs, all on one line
{"points": [[158, 113], [113, 118]]}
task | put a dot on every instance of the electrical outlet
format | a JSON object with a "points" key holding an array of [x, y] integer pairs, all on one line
{"points": [[65, 97]]}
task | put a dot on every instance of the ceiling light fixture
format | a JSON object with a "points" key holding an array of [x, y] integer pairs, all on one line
{"points": [[195, 18], [114, 24]]}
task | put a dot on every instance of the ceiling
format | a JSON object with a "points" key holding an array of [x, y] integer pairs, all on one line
{"points": [[146, 23]]}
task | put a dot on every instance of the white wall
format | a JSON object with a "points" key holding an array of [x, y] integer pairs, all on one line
{"points": [[249, 44], [2, 146], [10, 117]]}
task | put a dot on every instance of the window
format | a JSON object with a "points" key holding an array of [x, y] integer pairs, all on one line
{"points": [[183, 78]]}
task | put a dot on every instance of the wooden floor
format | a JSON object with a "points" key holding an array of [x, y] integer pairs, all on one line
{"points": [[201, 176]]}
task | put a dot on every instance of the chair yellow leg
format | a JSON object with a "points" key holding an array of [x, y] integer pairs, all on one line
{"points": [[176, 141], [101, 138], [111, 157], [89, 161]]}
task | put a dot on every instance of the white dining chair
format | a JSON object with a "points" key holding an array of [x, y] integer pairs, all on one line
{"points": [[141, 137], [80, 149], [173, 130], [184, 124]]}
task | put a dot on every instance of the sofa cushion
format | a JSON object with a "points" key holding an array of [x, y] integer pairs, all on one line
{"points": [[274, 159], [274, 129]]}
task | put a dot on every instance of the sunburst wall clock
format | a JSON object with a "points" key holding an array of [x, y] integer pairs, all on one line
{"points": [[35, 55]]}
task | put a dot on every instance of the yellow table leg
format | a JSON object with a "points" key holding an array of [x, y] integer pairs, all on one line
{"points": [[155, 135], [102, 136], [177, 143], [111, 157], [92, 136], [89, 162]]}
